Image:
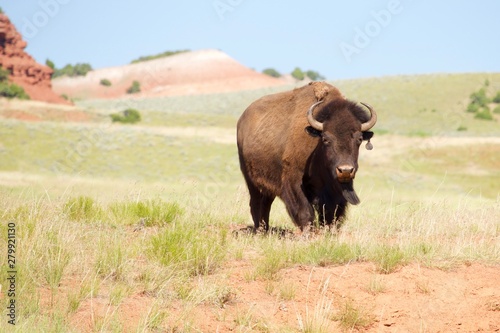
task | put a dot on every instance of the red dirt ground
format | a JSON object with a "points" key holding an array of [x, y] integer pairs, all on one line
{"points": [[412, 299], [41, 111]]}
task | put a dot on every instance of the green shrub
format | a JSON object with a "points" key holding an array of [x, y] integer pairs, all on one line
{"points": [[4, 74], [82, 208], [298, 74], [388, 258], [329, 252], [134, 88], [80, 69], [484, 114], [50, 64], [496, 99], [129, 116], [315, 76], [352, 317], [189, 248], [10, 90], [497, 109], [479, 97], [105, 82], [472, 108], [271, 72]]}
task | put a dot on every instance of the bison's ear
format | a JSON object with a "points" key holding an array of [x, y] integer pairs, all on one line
{"points": [[312, 131], [367, 136]]}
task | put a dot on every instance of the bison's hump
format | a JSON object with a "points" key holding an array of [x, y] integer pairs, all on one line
{"points": [[322, 89]]}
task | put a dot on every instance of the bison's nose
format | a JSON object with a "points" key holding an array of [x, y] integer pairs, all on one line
{"points": [[345, 173]]}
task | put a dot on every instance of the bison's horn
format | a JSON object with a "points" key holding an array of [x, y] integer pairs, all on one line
{"points": [[373, 119], [313, 122]]}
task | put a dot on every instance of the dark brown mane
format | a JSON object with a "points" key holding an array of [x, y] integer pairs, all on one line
{"points": [[339, 104]]}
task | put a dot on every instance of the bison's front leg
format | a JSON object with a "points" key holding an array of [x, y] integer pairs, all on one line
{"points": [[331, 214], [297, 204]]}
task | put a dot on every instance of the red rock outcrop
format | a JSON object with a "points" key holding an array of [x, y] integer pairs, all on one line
{"points": [[25, 71]]}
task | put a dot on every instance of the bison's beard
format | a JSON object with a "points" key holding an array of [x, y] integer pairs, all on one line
{"points": [[349, 193]]}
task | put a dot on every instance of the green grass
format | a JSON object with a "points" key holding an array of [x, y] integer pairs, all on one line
{"points": [[82, 208], [110, 260], [328, 251], [182, 260], [195, 250], [353, 317], [112, 152], [388, 258], [148, 212], [434, 103], [472, 168]]}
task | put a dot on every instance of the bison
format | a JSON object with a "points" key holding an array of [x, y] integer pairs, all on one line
{"points": [[308, 161]]}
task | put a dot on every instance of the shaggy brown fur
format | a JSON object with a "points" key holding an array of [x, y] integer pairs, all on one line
{"points": [[278, 157]]}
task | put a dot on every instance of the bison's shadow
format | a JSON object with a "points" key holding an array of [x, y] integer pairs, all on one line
{"points": [[284, 233]]}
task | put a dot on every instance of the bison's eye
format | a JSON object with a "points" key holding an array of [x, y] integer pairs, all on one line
{"points": [[326, 141], [359, 140]]}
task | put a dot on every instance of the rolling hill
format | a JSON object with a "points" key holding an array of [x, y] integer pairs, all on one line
{"points": [[197, 72]]}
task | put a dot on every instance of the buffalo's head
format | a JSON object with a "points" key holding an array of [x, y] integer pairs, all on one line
{"points": [[342, 126]]}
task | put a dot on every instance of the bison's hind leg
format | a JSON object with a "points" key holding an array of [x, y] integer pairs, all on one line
{"points": [[260, 207]]}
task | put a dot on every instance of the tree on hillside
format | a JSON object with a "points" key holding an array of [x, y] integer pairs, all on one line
{"points": [[479, 103], [50, 64], [271, 72], [479, 97], [315, 76], [80, 69], [156, 56], [496, 99], [484, 114], [298, 74], [105, 82], [134, 88]]}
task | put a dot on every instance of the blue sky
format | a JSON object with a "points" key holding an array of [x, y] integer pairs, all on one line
{"points": [[340, 39]]}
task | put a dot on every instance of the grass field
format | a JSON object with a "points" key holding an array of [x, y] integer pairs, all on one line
{"points": [[425, 105], [142, 228]]}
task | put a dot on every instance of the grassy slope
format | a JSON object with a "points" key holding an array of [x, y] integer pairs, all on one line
{"points": [[425, 105], [416, 105], [423, 200]]}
